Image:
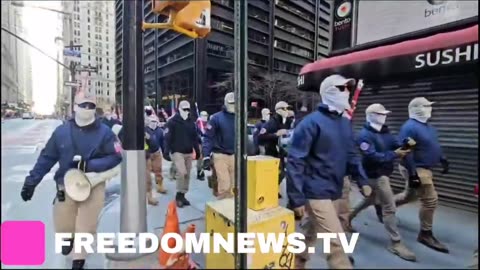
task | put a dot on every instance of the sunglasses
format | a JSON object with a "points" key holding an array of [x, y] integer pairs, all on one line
{"points": [[343, 88], [87, 105], [185, 109]]}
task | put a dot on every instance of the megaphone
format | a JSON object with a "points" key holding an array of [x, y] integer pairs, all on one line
{"points": [[79, 185]]}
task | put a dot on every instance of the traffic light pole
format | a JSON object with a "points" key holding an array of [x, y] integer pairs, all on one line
{"points": [[133, 208], [241, 98]]}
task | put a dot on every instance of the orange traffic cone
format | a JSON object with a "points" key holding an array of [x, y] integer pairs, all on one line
{"points": [[182, 260], [171, 226]]}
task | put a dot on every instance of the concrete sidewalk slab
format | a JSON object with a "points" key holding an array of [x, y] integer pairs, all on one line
{"points": [[456, 228]]}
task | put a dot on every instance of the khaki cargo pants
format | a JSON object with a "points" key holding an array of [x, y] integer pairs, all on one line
{"points": [[183, 166], [426, 192], [342, 205], [225, 171], [383, 195], [79, 217], [154, 165]]}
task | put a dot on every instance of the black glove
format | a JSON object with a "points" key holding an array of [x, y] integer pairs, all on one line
{"points": [[414, 181], [79, 164], [27, 192], [445, 165], [206, 164], [166, 156]]}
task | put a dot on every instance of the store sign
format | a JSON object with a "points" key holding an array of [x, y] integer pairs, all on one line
{"points": [[463, 54], [342, 25], [378, 20]]}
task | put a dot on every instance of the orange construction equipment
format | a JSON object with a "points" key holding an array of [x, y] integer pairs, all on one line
{"points": [[171, 226]]}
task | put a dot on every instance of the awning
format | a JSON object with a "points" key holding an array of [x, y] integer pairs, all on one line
{"points": [[430, 53]]}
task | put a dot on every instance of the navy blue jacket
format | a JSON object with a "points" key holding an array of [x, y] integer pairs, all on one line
{"points": [[96, 143], [220, 134], [110, 123], [427, 152], [180, 136], [156, 139], [269, 139], [377, 148], [258, 126], [322, 153]]}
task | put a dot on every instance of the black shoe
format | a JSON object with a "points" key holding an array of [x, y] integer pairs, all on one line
{"points": [[280, 195], [178, 199], [67, 249], [427, 238], [378, 210], [184, 200], [352, 261], [78, 264], [201, 176]]}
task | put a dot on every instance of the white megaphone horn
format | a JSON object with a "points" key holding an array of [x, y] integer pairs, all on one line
{"points": [[79, 185]]}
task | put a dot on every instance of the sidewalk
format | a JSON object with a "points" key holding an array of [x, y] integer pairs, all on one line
{"points": [[455, 228]]}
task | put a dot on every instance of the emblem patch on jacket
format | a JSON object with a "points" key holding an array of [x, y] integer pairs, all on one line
{"points": [[364, 146]]}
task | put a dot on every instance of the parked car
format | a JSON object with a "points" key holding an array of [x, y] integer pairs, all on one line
{"points": [[27, 115]]}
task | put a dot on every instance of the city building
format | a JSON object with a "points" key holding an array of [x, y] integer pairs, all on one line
{"points": [[283, 36], [432, 54], [10, 79], [91, 26]]}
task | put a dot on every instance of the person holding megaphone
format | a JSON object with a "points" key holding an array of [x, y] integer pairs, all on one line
{"points": [[88, 154]]}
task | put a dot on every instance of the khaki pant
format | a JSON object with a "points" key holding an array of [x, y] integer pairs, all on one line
{"points": [[426, 192], [154, 165], [173, 171], [183, 166], [225, 170], [323, 218], [79, 217], [382, 194], [342, 205]]}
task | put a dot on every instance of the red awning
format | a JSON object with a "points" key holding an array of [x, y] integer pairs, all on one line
{"points": [[439, 41]]}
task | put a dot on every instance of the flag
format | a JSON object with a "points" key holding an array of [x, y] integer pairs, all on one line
{"points": [[199, 120]]}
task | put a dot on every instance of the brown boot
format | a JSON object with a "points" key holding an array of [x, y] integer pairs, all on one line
{"points": [[427, 238], [150, 199], [399, 249], [160, 188]]}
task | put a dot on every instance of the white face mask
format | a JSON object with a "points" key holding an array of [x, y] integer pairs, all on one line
{"points": [[84, 117], [230, 107], [421, 113], [108, 116], [184, 114], [336, 100], [377, 121], [283, 114], [204, 118], [266, 117], [153, 125], [161, 124]]}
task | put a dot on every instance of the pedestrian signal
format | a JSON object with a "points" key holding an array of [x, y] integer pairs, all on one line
{"points": [[191, 18]]}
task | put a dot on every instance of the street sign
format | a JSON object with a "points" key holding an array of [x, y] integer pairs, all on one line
{"points": [[73, 84], [69, 52], [87, 69]]}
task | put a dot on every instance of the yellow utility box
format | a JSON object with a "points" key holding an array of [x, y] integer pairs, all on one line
{"points": [[262, 175], [219, 218]]}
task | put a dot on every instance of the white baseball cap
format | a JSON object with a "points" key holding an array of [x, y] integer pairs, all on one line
{"points": [[281, 105], [376, 108], [230, 98], [83, 97], [184, 105], [335, 80], [419, 101]]}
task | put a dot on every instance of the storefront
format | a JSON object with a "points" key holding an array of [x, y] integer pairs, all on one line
{"points": [[443, 68]]}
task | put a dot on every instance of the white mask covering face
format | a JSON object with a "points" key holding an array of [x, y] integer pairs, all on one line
{"points": [[283, 114], [108, 116], [376, 121], [84, 117], [184, 109], [336, 100], [153, 125], [184, 114], [420, 113], [266, 117], [204, 118]]}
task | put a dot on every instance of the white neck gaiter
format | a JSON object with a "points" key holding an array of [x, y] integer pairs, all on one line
{"points": [[84, 117], [336, 100], [184, 114], [376, 121], [421, 114]]}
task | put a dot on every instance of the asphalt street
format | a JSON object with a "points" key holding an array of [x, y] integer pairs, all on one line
{"points": [[23, 139]]}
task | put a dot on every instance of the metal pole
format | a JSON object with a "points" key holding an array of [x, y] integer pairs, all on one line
{"points": [[155, 84], [241, 99]]}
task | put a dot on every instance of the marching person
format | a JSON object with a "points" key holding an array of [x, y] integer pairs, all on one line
{"points": [[258, 126], [202, 122], [416, 168], [154, 163], [380, 149], [276, 127], [219, 143], [180, 140], [80, 143], [109, 120], [322, 152], [300, 115]]}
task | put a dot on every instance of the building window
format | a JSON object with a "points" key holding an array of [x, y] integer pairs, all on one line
{"points": [[257, 36], [257, 59], [88, 35], [308, 16], [258, 13], [220, 50], [222, 25], [227, 3], [292, 48], [286, 67], [293, 29]]}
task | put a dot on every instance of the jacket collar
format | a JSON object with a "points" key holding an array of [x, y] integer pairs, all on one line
{"points": [[370, 128], [93, 125], [323, 108]]}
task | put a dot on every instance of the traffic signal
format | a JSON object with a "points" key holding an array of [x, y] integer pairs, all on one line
{"points": [[191, 18]]}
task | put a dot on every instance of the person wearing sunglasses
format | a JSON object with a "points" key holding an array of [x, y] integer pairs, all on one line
{"points": [[276, 127], [180, 140], [219, 146], [416, 168], [321, 154], [82, 143]]}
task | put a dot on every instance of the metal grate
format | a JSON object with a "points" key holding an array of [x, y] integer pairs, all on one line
{"points": [[455, 116]]}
